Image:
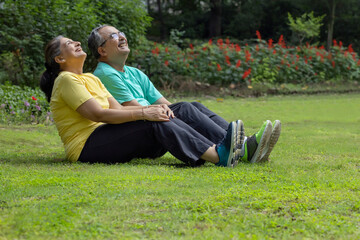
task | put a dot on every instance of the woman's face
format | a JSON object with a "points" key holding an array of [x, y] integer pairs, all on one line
{"points": [[71, 50]]}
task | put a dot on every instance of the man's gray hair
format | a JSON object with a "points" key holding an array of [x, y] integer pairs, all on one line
{"points": [[94, 41]]}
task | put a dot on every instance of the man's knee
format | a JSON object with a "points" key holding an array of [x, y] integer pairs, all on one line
{"points": [[198, 105]]}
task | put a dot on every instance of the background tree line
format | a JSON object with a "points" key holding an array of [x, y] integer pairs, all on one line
{"points": [[241, 18], [27, 25]]}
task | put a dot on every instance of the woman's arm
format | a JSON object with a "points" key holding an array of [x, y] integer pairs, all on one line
{"points": [[92, 110]]}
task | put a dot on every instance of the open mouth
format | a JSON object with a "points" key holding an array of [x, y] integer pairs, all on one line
{"points": [[78, 50], [122, 44]]}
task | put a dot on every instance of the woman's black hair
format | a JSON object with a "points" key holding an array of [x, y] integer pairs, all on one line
{"points": [[52, 50]]}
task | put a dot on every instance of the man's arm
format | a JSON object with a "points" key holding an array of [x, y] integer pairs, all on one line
{"points": [[134, 102], [131, 103], [162, 100]]}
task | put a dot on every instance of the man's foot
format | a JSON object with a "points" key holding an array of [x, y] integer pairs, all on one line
{"points": [[254, 146], [275, 134], [225, 148]]}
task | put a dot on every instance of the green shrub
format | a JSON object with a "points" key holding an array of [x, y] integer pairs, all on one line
{"points": [[23, 105], [26, 27]]}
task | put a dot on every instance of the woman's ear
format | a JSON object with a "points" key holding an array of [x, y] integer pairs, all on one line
{"points": [[59, 59]]}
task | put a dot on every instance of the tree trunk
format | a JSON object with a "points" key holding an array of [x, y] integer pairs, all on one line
{"points": [[215, 18], [161, 20], [332, 7], [148, 6]]}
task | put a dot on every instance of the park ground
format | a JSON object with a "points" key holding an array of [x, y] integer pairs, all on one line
{"points": [[309, 190]]}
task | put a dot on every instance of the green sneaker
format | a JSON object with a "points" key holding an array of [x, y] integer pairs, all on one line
{"points": [[225, 148], [254, 146], [275, 134]]}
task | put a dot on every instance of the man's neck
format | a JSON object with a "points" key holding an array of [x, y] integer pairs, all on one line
{"points": [[118, 65]]}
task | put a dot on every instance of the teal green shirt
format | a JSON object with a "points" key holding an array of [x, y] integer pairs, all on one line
{"points": [[128, 85]]}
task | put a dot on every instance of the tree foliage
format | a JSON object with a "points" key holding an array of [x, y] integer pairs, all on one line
{"points": [[26, 27], [306, 26]]}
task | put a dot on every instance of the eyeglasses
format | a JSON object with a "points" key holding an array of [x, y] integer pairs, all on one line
{"points": [[115, 36]]}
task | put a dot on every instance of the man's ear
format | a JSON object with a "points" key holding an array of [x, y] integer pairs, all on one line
{"points": [[102, 51], [59, 59]]}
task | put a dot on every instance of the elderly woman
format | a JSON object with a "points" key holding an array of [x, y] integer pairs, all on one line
{"points": [[94, 127]]}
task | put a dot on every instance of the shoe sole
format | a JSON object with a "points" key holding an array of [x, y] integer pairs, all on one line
{"points": [[275, 134], [263, 143], [230, 161], [239, 141]]}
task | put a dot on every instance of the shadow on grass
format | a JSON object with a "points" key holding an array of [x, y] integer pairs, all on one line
{"points": [[57, 159]]}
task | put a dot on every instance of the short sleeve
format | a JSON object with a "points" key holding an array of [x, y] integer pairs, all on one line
{"points": [[151, 93], [74, 92], [117, 88]]}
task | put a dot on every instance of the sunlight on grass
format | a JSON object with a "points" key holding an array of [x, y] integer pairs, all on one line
{"points": [[310, 189]]}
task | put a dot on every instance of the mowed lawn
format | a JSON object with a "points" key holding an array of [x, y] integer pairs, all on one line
{"points": [[309, 190]]}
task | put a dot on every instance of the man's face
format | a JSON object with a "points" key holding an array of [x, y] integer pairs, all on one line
{"points": [[115, 44]]}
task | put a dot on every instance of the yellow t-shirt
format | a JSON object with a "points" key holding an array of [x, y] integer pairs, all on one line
{"points": [[69, 92]]}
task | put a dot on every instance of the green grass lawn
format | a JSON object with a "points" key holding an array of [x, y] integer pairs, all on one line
{"points": [[309, 190]]}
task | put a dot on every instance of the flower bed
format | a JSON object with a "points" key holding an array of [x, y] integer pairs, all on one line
{"points": [[23, 105], [223, 62]]}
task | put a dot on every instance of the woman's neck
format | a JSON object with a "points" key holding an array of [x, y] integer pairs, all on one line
{"points": [[73, 68]]}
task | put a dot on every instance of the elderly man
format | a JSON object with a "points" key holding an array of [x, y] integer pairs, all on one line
{"points": [[131, 87]]}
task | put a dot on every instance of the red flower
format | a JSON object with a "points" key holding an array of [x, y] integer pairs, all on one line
{"points": [[166, 49], [220, 42], [33, 98], [246, 73], [350, 49], [178, 52], [333, 64], [204, 48], [274, 52], [358, 63], [227, 59], [237, 48], [281, 41], [257, 48], [166, 63], [210, 41], [227, 42], [296, 68], [218, 67], [270, 43], [258, 35], [247, 55], [322, 47], [156, 51], [191, 46], [335, 43], [238, 63], [340, 44]]}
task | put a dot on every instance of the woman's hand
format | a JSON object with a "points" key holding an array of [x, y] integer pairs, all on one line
{"points": [[168, 110], [156, 113]]}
